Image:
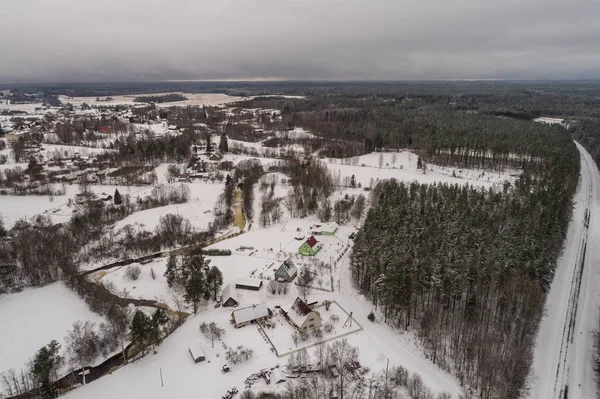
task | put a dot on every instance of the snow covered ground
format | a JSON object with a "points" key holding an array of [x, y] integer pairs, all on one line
{"points": [[198, 210], [549, 121], [34, 317], [52, 151], [15, 207], [192, 99], [562, 354], [366, 169]]}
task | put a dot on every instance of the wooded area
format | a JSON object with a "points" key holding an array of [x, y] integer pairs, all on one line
{"points": [[468, 269]]}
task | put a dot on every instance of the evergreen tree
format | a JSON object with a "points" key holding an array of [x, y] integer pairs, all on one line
{"points": [[214, 280], [172, 272], [209, 146], [223, 144], [45, 362], [353, 181], [419, 163], [194, 290], [141, 329], [159, 319], [325, 211], [117, 198]]}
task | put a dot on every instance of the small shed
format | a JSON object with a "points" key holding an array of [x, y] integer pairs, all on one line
{"points": [[277, 377], [197, 353], [229, 296]]}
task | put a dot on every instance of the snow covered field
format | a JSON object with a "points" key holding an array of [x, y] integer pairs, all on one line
{"points": [[52, 151], [15, 207], [366, 168], [193, 99], [199, 209], [34, 317]]}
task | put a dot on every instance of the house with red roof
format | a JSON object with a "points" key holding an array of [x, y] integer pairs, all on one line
{"points": [[310, 247]]}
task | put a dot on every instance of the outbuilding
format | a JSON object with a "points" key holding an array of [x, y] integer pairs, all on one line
{"points": [[328, 229], [249, 284], [229, 296], [197, 353], [251, 314]]}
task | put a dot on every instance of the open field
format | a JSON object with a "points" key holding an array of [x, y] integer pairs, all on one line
{"points": [[34, 317]]}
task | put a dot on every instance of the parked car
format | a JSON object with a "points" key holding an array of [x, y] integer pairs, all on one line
{"points": [[218, 304]]}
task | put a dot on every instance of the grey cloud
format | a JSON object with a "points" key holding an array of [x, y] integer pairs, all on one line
{"points": [[112, 40]]}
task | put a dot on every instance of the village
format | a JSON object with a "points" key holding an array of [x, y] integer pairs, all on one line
{"points": [[284, 314]]}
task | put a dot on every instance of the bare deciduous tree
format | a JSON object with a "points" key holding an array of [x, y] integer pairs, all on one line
{"points": [[212, 331], [82, 345]]}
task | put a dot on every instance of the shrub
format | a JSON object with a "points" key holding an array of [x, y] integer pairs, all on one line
{"points": [[371, 316], [133, 272]]}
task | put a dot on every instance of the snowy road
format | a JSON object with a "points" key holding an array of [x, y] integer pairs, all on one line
{"points": [[389, 341], [562, 354]]}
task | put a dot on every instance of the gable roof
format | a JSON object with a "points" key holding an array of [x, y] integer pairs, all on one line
{"points": [[312, 241], [288, 268], [250, 313], [298, 311], [229, 292], [300, 307]]}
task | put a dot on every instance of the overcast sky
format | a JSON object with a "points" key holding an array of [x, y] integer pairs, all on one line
{"points": [[140, 40]]}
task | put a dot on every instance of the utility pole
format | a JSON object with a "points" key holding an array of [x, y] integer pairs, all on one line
{"points": [[386, 378]]}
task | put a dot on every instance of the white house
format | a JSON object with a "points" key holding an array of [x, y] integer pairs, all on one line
{"points": [[302, 316]]}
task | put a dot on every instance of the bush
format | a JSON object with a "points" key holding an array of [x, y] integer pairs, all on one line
{"points": [[133, 272], [371, 316]]}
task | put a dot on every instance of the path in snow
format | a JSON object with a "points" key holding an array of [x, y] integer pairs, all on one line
{"points": [[562, 354]]}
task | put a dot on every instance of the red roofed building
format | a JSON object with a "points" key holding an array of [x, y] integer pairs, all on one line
{"points": [[310, 247]]}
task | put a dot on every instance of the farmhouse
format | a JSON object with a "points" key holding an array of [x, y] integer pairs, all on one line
{"points": [[216, 156], [302, 316], [328, 229], [197, 353], [286, 272], [229, 296], [251, 314], [249, 284], [310, 247]]}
